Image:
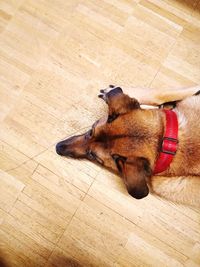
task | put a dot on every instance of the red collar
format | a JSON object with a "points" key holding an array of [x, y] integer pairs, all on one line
{"points": [[169, 142]]}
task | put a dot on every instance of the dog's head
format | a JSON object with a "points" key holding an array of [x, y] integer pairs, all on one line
{"points": [[119, 142]]}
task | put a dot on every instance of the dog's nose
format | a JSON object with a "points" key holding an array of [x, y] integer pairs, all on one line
{"points": [[60, 149], [138, 194]]}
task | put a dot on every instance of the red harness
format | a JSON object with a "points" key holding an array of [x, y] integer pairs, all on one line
{"points": [[169, 142]]}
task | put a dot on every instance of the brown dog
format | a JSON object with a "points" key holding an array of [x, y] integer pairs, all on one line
{"points": [[128, 141]]}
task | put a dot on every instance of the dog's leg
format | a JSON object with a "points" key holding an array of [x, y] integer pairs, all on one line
{"points": [[149, 96], [184, 190], [109, 92], [118, 102]]}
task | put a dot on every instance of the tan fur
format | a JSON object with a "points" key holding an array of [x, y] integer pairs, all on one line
{"points": [[129, 139], [182, 189], [187, 159]]}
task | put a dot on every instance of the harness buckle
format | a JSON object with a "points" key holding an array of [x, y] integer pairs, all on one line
{"points": [[169, 147]]}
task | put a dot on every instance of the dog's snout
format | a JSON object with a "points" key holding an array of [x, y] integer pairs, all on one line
{"points": [[74, 147], [60, 148], [64, 149]]}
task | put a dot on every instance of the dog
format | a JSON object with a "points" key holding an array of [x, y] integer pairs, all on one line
{"points": [[154, 149]]}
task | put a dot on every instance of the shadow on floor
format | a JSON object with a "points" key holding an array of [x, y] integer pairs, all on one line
{"points": [[68, 262], [3, 263]]}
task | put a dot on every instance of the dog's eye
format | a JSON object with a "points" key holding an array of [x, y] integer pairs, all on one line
{"points": [[91, 155], [119, 159], [89, 134]]}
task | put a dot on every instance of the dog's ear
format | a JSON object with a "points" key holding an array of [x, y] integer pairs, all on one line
{"points": [[135, 172]]}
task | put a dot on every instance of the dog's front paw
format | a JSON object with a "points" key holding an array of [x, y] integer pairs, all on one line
{"points": [[109, 92]]}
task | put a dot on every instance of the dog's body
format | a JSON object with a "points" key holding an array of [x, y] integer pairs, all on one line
{"points": [[128, 141], [181, 181]]}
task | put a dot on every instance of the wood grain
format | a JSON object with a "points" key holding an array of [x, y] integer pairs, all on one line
{"points": [[54, 56]]}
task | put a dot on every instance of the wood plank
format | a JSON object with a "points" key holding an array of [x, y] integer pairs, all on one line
{"points": [[54, 57]]}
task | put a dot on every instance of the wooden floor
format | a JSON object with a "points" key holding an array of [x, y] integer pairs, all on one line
{"points": [[54, 56]]}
